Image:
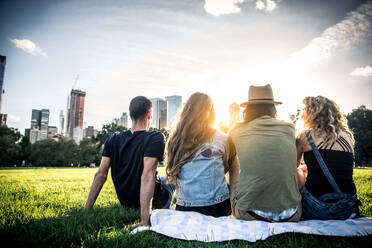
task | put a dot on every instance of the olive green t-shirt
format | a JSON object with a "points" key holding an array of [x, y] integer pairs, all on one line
{"points": [[266, 149]]}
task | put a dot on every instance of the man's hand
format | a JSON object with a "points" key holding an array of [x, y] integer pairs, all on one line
{"points": [[301, 174], [99, 180], [147, 188]]}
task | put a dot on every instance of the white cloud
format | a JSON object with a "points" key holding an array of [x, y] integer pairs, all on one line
{"points": [[362, 71], [267, 5], [222, 7], [14, 118], [345, 34], [260, 5], [225, 7], [28, 46]]}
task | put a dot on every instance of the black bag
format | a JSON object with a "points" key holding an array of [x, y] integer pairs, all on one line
{"points": [[338, 206]]}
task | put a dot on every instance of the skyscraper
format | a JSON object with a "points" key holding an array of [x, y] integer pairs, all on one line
{"points": [[35, 118], [124, 119], [2, 72], [39, 125], [89, 132], [174, 103], [44, 122], [61, 122], [75, 115], [159, 113]]}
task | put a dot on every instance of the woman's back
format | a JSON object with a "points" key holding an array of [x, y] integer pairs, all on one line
{"points": [[339, 159], [201, 181]]}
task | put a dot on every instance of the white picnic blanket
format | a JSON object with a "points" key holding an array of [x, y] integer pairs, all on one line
{"points": [[195, 226]]}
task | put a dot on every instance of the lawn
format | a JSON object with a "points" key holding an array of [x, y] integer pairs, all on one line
{"points": [[42, 207]]}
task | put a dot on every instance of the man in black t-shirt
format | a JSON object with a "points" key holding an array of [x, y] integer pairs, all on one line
{"points": [[133, 157]]}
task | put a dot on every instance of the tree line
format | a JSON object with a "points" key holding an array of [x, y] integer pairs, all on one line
{"points": [[16, 148]]}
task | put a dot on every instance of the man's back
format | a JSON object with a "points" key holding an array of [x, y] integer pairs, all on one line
{"points": [[267, 155], [126, 151]]}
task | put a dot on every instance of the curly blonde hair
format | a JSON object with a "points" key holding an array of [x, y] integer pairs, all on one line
{"points": [[194, 128], [323, 116]]}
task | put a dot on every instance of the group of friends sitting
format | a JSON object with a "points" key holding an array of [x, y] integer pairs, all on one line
{"points": [[254, 172]]}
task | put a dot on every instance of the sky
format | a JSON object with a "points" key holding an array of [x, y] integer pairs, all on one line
{"points": [[156, 48]]}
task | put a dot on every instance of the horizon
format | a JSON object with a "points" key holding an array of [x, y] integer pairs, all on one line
{"points": [[122, 49]]}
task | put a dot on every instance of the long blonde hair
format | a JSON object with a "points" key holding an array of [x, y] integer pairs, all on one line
{"points": [[194, 128], [323, 116]]}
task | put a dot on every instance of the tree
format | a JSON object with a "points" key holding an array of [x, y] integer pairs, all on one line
{"points": [[106, 131], [360, 122], [162, 130], [49, 152], [10, 150], [87, 152], [25, 148]]}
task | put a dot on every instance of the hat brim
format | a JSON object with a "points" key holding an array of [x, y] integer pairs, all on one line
{"points": [[244, 104]]}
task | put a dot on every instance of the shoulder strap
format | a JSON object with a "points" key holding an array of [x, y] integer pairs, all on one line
{"points": [[322, 165]]}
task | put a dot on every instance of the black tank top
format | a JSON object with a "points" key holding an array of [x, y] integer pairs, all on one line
{"points": [[339, 163]]}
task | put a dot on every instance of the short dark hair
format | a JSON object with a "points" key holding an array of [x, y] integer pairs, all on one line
{"points": [[139, 107], [254, 111]]}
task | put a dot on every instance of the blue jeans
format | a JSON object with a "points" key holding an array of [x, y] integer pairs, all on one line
{"points": [[329, 206]]}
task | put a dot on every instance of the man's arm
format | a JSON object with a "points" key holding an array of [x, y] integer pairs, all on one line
{"points": [[99, 180], [147, 188], [233, 176], [301, 172]]}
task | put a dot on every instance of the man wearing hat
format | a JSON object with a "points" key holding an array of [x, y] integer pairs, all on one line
{"points": [[267, 188]]}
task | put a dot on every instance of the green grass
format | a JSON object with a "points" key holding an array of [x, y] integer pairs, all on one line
{"points": [[44, 208]]}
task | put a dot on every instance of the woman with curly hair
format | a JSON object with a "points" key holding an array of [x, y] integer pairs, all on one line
{"points": [[327, 126], [197, 159]]}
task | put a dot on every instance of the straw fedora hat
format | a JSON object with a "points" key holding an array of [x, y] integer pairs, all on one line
{"points": [[260, 94]]}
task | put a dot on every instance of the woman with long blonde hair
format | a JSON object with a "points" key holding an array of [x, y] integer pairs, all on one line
{"points": [[197, 159], [327, 128]]}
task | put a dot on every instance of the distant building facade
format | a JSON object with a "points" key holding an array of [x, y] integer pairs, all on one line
{"points": [[61, 122], [174, 103], [75, 115], [44, 122], [39, 125], [124, 119], [116, 121], [2, 73], [90, 132], [52, 131], [159, 113], [34, 134]]}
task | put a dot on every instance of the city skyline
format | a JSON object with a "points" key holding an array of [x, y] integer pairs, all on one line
{"points": [[122, 49]]}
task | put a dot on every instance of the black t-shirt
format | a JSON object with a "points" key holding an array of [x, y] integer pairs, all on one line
{"points": [[126, 152]]}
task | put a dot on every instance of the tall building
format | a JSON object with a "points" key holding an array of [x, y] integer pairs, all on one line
{"points": [[234, 114], [159, 113], [34, 134], [89, 132], [52, 131], [39, 125], [115, 121], [61, 122], [2, 72], [75, 115], [35, 118], [124, 119], [44, 122], [174, 103]]}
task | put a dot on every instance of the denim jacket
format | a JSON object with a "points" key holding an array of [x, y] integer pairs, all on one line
{"points": [[201, 181]]}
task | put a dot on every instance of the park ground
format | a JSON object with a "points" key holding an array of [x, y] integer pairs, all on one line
{"points": [[43, 207]]}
